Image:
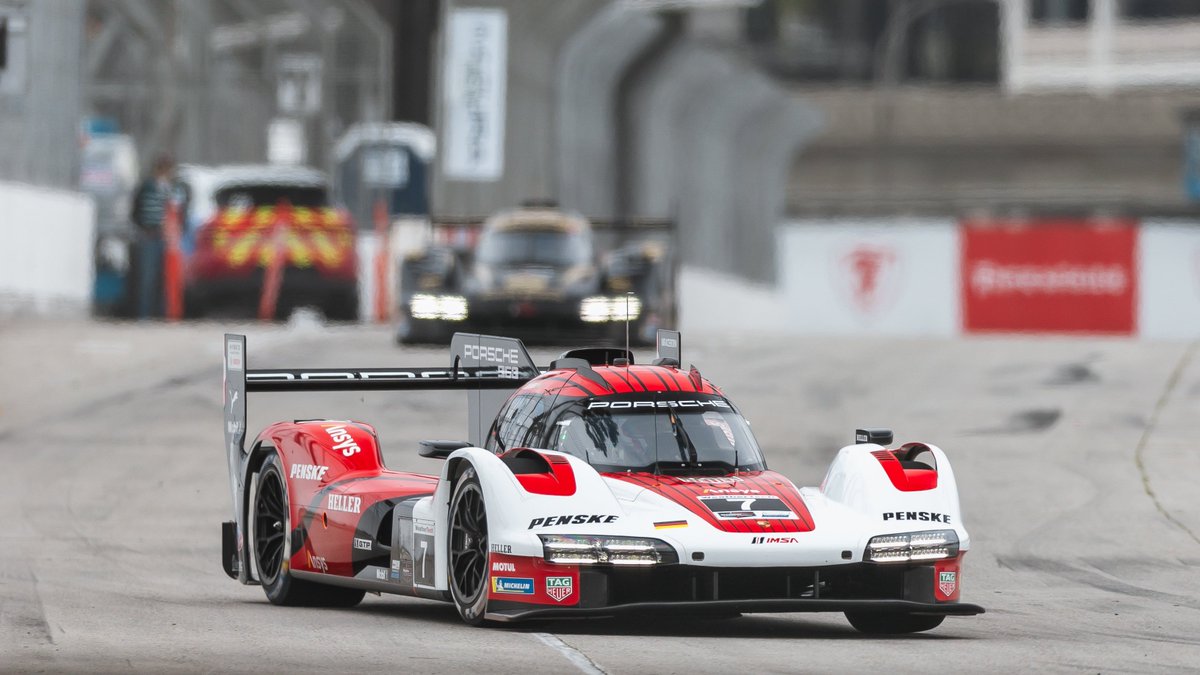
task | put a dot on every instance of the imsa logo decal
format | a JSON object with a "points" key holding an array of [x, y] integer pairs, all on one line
{"points": [[559, 588]]}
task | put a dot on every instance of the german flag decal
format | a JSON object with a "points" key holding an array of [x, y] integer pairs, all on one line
{"points": [[670, 524]]}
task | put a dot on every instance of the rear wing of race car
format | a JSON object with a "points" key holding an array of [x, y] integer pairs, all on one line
{"points": [[488, 368], [480, 363]]}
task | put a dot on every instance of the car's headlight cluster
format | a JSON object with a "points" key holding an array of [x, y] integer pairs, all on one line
{"points": [[912, 546], [444, 307], [577, 549], [599, 309]]}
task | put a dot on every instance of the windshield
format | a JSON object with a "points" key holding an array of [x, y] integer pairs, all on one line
{"points": [[250, 196], [667, 440], [537, 247]]}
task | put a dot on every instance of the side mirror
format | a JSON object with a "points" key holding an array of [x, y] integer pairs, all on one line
{"points": [[876, 436], [440, 449]]}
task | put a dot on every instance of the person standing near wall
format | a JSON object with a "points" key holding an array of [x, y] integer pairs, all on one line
{"points": [[148, 212]]}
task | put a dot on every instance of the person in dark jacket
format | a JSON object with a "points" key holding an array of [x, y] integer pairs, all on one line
{"points": [[148, 213]]}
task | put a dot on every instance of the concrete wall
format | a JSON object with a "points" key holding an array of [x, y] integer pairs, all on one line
{"points": [[39, 118], [46, 240]]}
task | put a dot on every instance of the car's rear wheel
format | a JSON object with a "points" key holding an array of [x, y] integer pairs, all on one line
{"points": [[469, 548], [877, 623], [271, 520]]}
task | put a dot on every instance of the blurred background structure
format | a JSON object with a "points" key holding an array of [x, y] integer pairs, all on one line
{"points": [[735, 118]]}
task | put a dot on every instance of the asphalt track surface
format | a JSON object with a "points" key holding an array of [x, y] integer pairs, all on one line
{"points": [[1077, 461]]}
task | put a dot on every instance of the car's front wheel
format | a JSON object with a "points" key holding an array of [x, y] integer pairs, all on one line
{"points": [[469, 548], [271, 520], [877, 623]]}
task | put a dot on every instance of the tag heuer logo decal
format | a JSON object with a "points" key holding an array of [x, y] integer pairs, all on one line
{"points": [[559, 588], [947, 581]]}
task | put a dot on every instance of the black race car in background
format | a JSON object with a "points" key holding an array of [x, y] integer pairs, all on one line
{"points": [[540, 273]]}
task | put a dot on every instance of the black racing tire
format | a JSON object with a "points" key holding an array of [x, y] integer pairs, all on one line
{"points": [[271, 520], [467, 553], [877, 623]]}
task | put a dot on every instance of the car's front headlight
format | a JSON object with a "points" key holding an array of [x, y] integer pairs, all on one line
{"points": [[598, 309], [580, 549], [444, 307], [912, 546]]}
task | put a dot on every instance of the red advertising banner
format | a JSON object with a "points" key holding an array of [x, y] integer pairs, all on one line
{"points": [[1049, 276]]}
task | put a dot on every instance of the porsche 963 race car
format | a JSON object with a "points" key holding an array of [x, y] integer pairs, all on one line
{"points": [[595, 486], [543, 273]]}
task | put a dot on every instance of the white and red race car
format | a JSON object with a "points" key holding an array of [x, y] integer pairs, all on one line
{"points": [[592, 487]]}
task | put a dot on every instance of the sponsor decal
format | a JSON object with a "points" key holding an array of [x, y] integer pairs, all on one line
{"points": [[501, 548], [363, 544], [710, 480], [670, 524], [233, 354], [650, 405], [423, 527], [731, 491], [345, 503], [381, 574], [503, 567], [1053, 276], [947, 582], [395, 569], [559, 588], [514, 585], [580, 519], [309, 471], [871, 275], [925, 516], [343, 440], [774, 540], [670, 342], [317, 562], [496, 355], [233, 397], [728, 507]]}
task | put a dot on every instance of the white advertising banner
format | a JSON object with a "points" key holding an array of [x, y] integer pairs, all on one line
{"points": [[473, 94], [1169, 283], [871, 276]]}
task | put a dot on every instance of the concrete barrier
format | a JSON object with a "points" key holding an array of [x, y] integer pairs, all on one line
{"points": [[945, 277], [47, 240]]}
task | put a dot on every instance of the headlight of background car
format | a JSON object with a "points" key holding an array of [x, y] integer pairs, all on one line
{"points": [[913, 546], [578, 549], [599, 308], [444, 307]]}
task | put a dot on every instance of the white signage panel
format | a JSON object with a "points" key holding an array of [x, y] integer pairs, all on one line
{"points": [[1169, 283], [871, 276], [473, 94]]}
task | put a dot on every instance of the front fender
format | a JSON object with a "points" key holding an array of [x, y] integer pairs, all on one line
{"points": [[858, 480], [516, 516]]}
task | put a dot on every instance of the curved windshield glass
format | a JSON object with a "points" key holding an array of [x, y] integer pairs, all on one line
{"points": [[537, 247], [667, 440]]}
